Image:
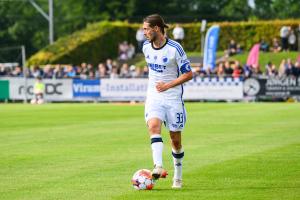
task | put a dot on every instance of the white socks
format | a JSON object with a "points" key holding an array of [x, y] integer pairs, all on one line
{"points": [[177, 159], [157, 146]]}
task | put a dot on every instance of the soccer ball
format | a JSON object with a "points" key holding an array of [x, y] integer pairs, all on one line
{"points": [[142, 180]]}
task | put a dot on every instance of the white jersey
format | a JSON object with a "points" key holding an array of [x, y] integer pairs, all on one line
{"points": [[165, 64]]}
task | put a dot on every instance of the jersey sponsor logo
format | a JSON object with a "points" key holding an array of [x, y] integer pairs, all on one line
{"points": [[157, 67]]}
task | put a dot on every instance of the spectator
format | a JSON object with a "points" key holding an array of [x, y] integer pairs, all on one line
{"points": [[276, 46], [232, 48], [36, 72], [91, 75], [140, 38], [48, 72], [220, 69], [90, 68], [239, 49], [282, 66], [296, 69], [125, 73], [145, 71], [58, 72], [114, 73], [227, 69], [2, 70], [247, 71], [138, 73], [70, 73], [102, 71], [130, 51], [109, 65], [237, 70], [264, 46], [178, 33], [79, 73], [292, 40], [256, 72], [199, 71], [271, 69], [284, 34], [289, 67], [84, 71], [123, 48], [17, 72]]}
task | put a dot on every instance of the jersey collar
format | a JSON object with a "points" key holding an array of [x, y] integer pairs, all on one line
{"points": [[161, 46]]}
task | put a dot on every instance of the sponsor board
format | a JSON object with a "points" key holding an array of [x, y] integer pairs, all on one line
{"points": [[273, 87], [4, 89], [86, 88], [213, 88], [55, 90], [123, 89]]}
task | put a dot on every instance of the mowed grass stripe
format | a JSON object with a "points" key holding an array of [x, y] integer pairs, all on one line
{"points": [[262, 175], [59, 158]]}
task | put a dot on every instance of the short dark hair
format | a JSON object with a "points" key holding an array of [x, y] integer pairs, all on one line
{"points": [[156, 20]]}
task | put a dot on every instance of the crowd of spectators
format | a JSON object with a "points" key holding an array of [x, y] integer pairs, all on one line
{"points": [[287, 42], [114, 69], [235, 69], [109, 69]]}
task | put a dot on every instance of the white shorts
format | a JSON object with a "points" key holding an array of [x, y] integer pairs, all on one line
{"points": [[171, 112]]}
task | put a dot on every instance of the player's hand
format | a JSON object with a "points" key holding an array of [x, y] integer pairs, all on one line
{"points": [[161, 86]]}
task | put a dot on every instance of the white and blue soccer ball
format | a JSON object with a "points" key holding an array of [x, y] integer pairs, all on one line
{"points": [[142, 180]]}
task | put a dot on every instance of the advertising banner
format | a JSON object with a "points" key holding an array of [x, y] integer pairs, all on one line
{"points": [[253, 56], [123, 89], [4, 89], [208, 88], [210, 47], [213, 88], [55, 90], [86, 88], [272, 87]]}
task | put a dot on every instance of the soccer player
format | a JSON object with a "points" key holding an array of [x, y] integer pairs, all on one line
{"points": [[169, 68]]}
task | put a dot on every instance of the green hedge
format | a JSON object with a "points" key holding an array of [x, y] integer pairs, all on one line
{"points": [[100, 40], [93, 44], [244, 33]]}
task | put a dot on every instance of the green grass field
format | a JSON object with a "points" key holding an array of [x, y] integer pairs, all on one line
{"points": [[90, 151]]}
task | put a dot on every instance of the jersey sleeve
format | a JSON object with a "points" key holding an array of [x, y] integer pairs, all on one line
{"points": [[145, 45], [182, 61]]}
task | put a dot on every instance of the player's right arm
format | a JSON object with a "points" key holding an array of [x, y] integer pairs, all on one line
{"points": [[184, 66], [161, 86]]}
